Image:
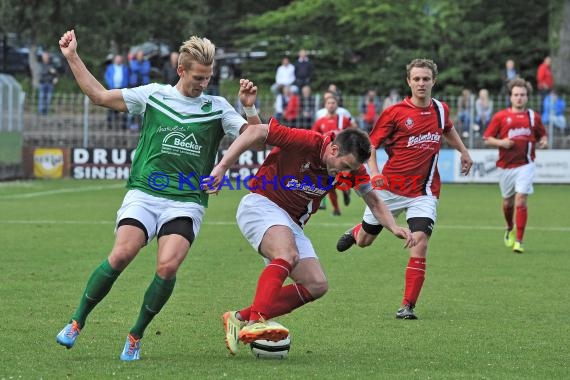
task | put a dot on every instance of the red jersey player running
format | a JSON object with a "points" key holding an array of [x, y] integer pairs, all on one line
{"points": [[411, 132], [515, 131], [334, 121], [286, 191]]}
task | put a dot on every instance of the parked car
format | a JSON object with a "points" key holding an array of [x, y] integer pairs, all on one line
{"points": [[15, 60]]}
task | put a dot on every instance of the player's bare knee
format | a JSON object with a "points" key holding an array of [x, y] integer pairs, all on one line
{"points": [[167, 271], [291, 257], [122, 255], [364, 241], [368, 234], [318, 288]]}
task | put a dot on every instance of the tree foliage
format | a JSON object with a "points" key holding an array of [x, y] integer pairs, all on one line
{"points": [[361, 44]]}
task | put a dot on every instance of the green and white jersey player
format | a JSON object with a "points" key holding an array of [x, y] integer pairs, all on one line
{"points": [[180, 133]]}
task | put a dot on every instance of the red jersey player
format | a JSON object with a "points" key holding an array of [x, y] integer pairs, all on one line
{"points": [[286, 191], [412, 133], [333, 121], [515, 131]]}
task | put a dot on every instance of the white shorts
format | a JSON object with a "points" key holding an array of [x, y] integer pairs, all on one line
{"points": [[153, 211], [424, 206], [256, 214], [517, 180]]}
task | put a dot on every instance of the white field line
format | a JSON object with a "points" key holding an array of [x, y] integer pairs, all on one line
{"points": [[60, 191], [316, 224]]}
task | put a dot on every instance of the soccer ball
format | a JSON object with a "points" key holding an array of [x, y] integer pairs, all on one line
{"points": [[266, 349]]}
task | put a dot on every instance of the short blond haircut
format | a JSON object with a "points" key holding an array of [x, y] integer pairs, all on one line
{"points": [[422, 63], [196, 49]]}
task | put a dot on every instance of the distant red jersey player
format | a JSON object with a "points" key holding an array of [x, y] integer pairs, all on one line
{"points": [[411, 132], [515, 131], [333, 121], [287, 190]]}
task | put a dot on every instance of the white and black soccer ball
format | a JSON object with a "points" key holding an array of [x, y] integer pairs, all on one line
{"points": [[266, 349]]}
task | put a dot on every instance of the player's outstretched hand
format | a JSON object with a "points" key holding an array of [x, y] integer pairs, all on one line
{"points": [[211, 185], [68, 43], [406, 234], [466, 163]]}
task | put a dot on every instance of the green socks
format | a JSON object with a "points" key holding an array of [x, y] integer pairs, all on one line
{"points": [[156, 295], [97, 287]]}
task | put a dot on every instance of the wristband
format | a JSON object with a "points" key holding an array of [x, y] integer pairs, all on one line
{"points": [[250, 111]]}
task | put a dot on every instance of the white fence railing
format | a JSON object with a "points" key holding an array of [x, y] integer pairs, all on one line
{"points": [[11, 104], [73, 121]]}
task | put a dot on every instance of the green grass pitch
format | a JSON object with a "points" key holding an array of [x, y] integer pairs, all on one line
{"points": [[485, 312]]}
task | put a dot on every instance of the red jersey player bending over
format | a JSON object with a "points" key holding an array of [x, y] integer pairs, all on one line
{"points": [[285, 192], [411, 132], [515, 131]]}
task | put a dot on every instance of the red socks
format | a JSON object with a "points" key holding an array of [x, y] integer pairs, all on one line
{"points": [[520, 218], [290, 298], [355, 231], [268, 288], [415, 274], [509, 211], [334, 199]]}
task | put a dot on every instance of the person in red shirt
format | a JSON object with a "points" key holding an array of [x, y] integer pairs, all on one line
{"points": [[285, 192], [544, 79], [333, 121], [515, 131], [411, 132], [293, 107]]}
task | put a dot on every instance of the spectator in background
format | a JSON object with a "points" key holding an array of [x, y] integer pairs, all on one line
{"points": [[370, 109], [170, 70], [339, 110], [284, 76], [140, 70], [139, 76], [464, 112], [544, 78], [554, 111], [508, 74], [391, 99], [280, 103], [483, 110], [293, 107], [303, 69], [116, 77], [48, 80], [308, 105]]}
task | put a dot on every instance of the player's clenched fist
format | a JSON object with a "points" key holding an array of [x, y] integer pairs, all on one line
{"points": [[68, 43]]}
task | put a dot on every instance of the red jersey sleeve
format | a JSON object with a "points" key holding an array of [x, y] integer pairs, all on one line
{"points": [[287, 138], [383, 128], [539, 130], [494, 126]]}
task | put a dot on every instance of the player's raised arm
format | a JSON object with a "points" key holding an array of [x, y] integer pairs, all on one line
{"points": [[89, 85]]}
